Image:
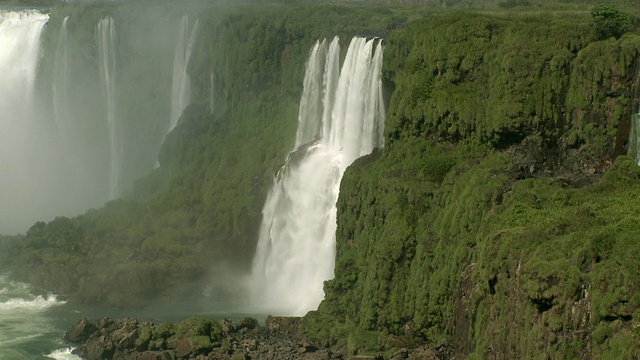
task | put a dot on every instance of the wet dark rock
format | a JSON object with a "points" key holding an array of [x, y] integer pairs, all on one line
{"points": [[247, 323], [183, 348], [204, 339], [282, 324], [81, 331]]}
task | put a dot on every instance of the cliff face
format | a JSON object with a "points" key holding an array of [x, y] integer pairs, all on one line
{"points": [[495, 223], [473, 230]]}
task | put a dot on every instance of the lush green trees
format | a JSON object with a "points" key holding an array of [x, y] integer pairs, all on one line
{"points": [[609, 21]]}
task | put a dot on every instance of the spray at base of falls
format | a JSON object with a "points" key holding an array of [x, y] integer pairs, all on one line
{"points": [[341, 118]]}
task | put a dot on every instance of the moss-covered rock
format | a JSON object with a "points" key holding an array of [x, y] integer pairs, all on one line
{"points": [[484, 226]]}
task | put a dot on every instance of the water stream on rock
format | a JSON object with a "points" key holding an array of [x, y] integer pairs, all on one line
{"points": [[107, 57], [181, 86], [341, 118], [634, 137]]}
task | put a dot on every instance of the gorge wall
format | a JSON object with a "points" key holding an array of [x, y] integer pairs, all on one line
{"points": [[496, 222], [194, 220], [489, 225]]}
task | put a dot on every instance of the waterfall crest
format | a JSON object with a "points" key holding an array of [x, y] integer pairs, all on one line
{"points": [[341, 118], [61, 111], [181, 84]]}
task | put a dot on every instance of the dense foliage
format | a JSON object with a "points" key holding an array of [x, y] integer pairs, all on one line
{"points": [[609, 21], [496, 222], [467, 232]]}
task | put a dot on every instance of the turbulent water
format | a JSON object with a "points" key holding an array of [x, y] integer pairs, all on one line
{"points": [[31, 326], [341, 118]]}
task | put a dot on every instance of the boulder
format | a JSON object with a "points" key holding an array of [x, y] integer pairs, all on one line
{"points": [[283, 324], [247, 323], [81, 331]]}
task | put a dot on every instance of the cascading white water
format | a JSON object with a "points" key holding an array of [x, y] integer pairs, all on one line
{"points": [[78, 126], [107, 57], [181, 86], [61, 76], [341, 118], [19, 53], [28, 330]]}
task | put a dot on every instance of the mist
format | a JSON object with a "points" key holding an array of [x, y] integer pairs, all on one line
{"points": [[84, 114]]}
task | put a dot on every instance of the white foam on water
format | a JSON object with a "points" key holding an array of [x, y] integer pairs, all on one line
{"points": [[27, 329], [63, 354], [37, 303]]}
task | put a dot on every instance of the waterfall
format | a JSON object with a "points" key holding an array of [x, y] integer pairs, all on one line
{"points": [[81, 117], [107, 57], [211, 96], [181, 86], [19, 53], [309, 116], [634, 137], [341, 118], [61, 77]]}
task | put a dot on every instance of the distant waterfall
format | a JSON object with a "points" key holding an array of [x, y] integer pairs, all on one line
{"points": [[181, 87], [19, 53], [211, 96], [61, 77], [81, 117], [341, 118], [107, 57], [19, 44], [634, 137]]}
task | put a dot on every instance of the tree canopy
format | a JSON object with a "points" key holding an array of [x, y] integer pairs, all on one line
{"points": [[609, 21]]}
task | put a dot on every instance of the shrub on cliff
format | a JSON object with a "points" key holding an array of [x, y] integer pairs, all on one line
{"points": [[609, 21]]}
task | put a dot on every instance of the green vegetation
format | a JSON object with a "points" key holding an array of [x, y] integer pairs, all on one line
{"points": [[609, 21], [465, 232], [499, 220], [199, 212]]}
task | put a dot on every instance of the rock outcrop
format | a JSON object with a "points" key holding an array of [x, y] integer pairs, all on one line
{"points": [[202, 338]]}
